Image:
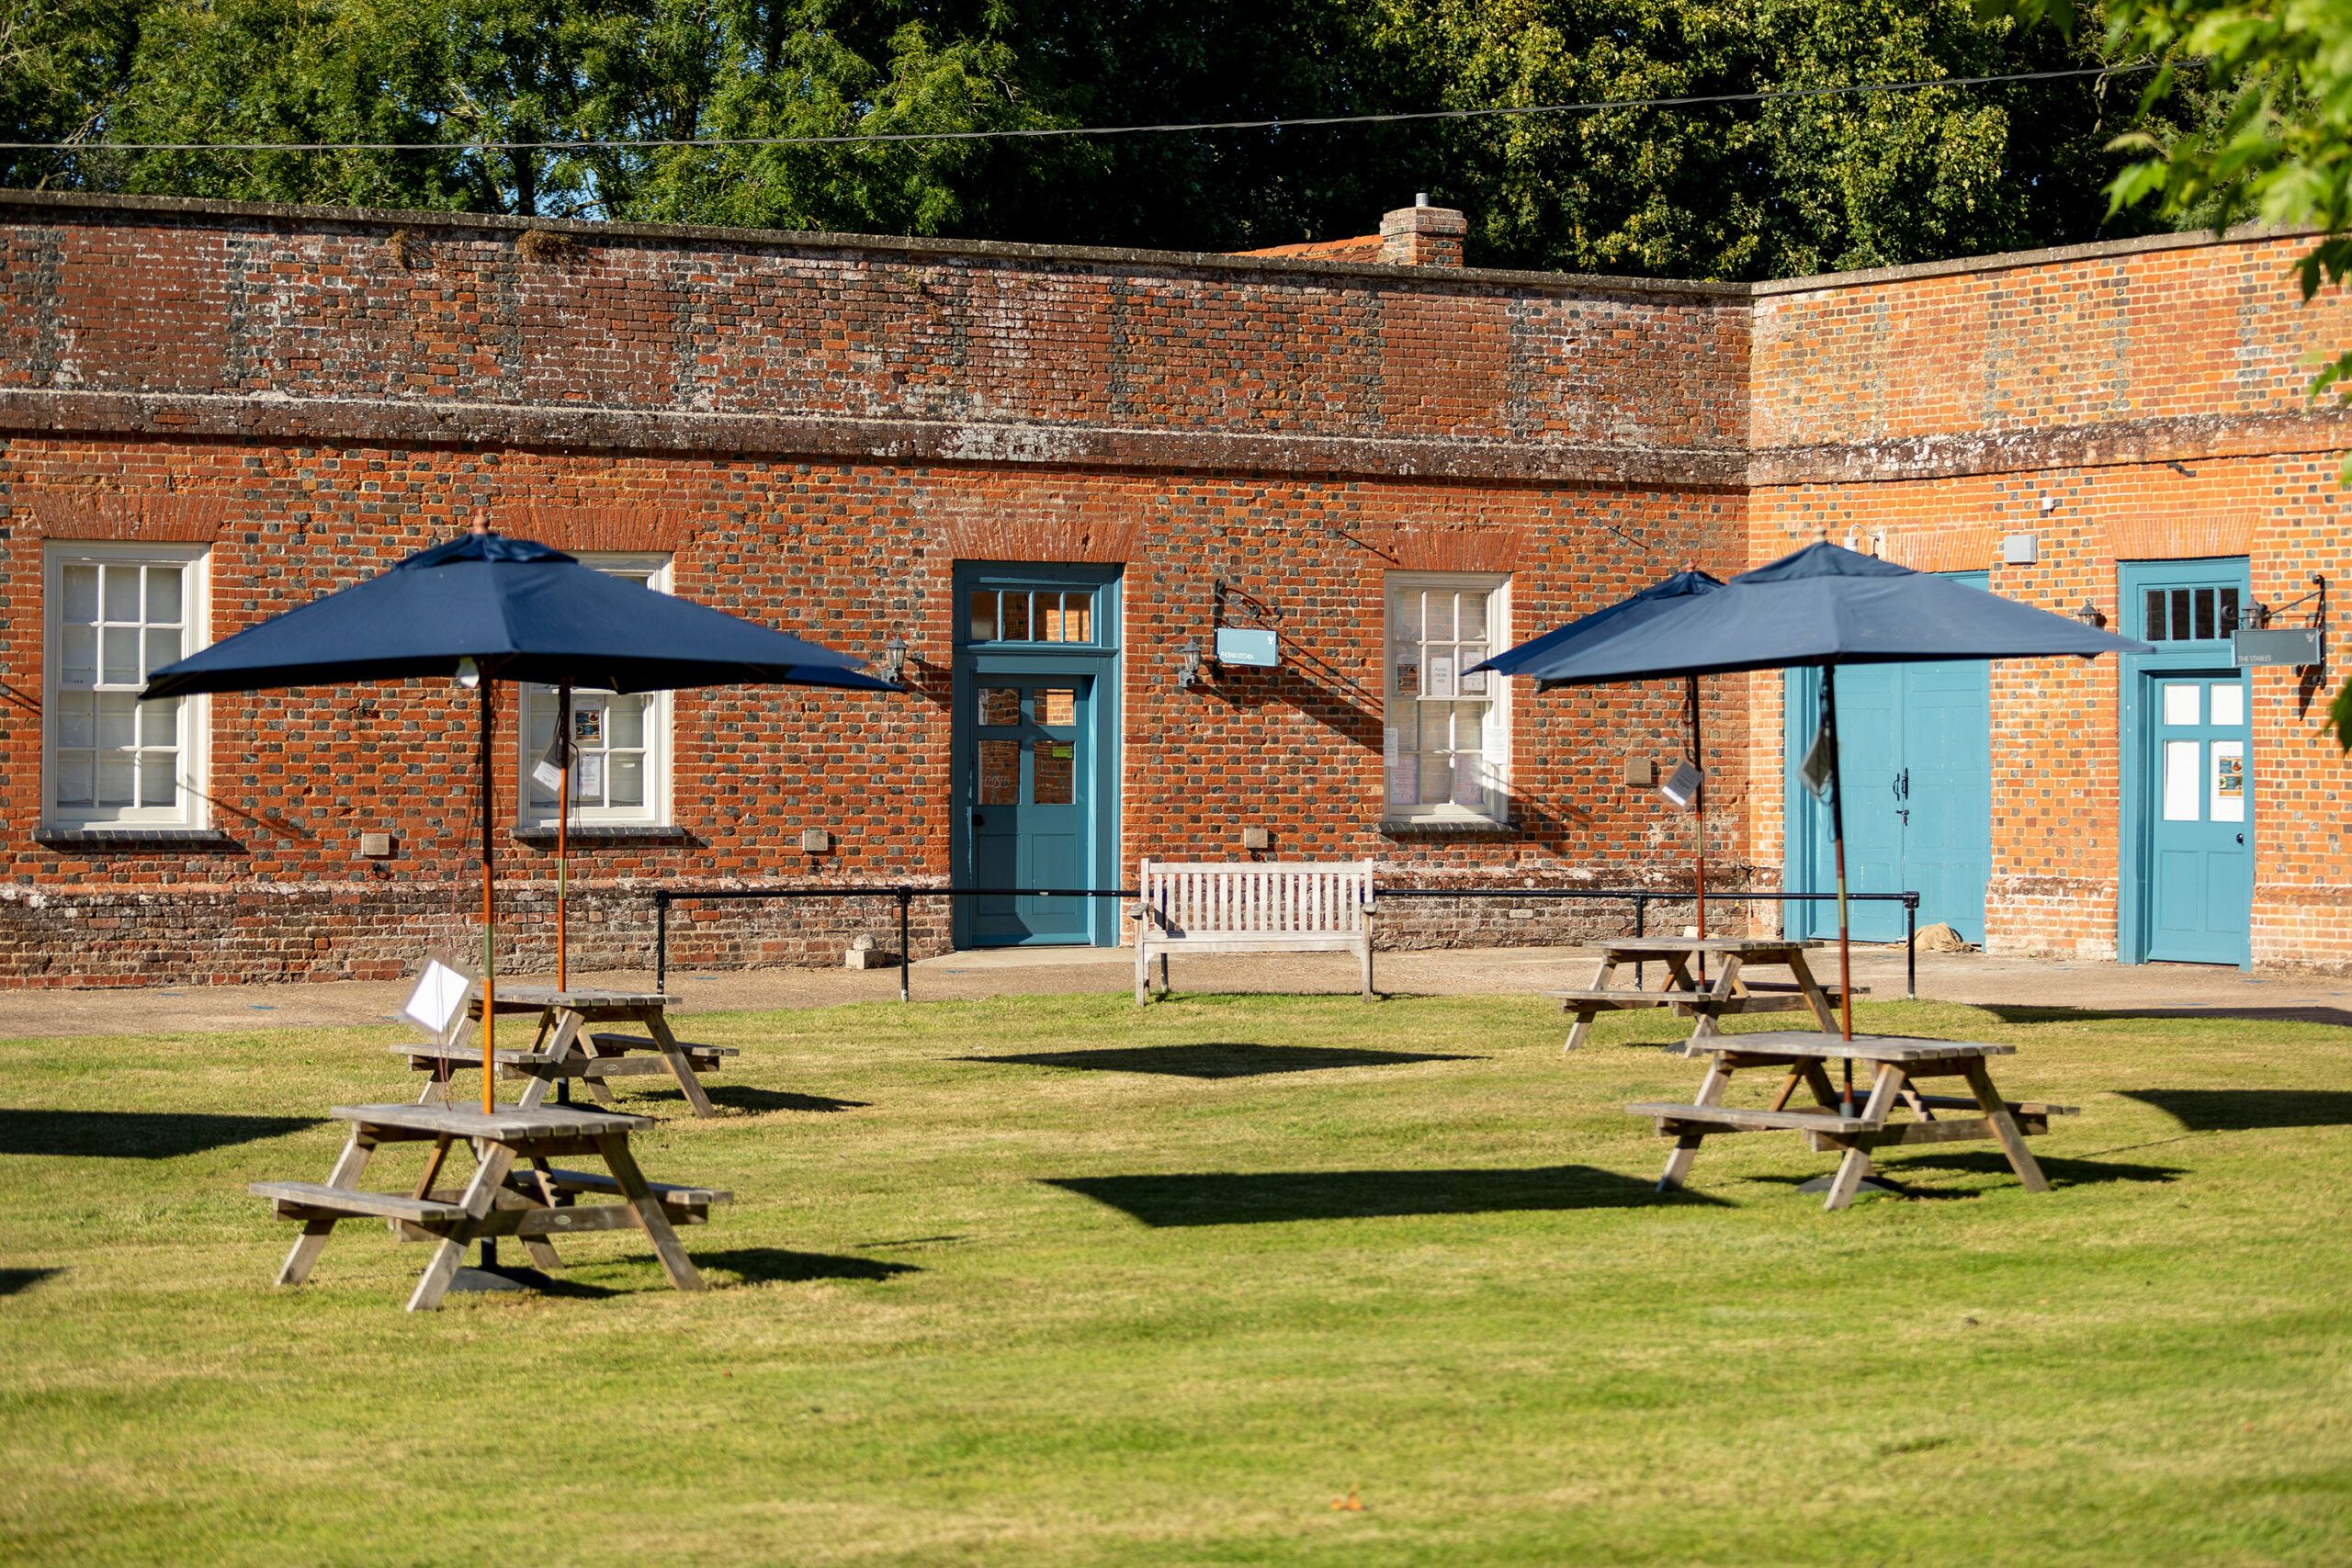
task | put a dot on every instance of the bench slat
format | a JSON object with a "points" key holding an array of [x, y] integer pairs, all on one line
{"points": [[1737, 1118], [318, 1197]]}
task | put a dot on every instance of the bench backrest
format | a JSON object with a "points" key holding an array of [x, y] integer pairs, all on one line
{"points": [[1273, 898]]}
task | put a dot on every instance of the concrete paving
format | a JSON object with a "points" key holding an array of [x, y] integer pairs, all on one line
{"points": [[2156, 988]]}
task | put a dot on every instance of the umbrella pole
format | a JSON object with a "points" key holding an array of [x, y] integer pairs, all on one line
{"points": [[563, 825], [489, 905], [1699, 826], [1838, 841]]}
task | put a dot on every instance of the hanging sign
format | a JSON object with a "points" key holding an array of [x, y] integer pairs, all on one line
{"points": [[2299, 646], [548, 773], [1248, 647], [1820, 762], [1681, 786]]}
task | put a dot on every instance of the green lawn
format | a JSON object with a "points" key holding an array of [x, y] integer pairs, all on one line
{"points": [[1055, 1280]]}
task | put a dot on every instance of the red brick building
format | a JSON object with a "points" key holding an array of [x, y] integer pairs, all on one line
{"points": [[1054, 474]]}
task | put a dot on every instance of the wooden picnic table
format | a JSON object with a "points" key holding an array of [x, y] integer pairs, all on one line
{"points": [[1731, 990], [514, 1191], [1895, 1063], [568, 1046]]}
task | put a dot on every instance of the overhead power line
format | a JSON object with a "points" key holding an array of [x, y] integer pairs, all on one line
{"points": [[585, 144]]}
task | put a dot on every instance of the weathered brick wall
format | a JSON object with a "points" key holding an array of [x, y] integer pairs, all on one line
{"points": [[2154, 395]]}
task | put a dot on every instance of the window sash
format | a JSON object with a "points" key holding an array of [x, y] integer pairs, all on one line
{"points": [[112, 614], [621, 745], [1446, 738]]}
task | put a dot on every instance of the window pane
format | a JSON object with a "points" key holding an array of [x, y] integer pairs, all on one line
{"points": [[122, 592], [1000, 773], [1405, 720], [1404, 780], [1408, 616], [1406, 674], [158, 780], [162, 647], [1473, 653], [625, 716], [1437, 778], [2182, 702], [1468, 721], [1054, 772], [76, 719], [118, 722], [1469, 788], [2155, 629], [159, 722], [1056, 705], [120, 647], [1078, 617], [74, 778], [81, 593], [2204, 598], [1474, 616], [2229, 780], [2229, 611], [625, 779], [2181, 620], [2228, 704], [78, 657], [1000, 704], [2181, 783], [983, 620], [115, 781], [1438, 610], [163, 595], [539, 723], [1014, 618], [1049, 617]]}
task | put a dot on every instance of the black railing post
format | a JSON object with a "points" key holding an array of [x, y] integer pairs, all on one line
{"points": [[662, 941], [1911, 944], [906, 955], [1640, 928]]}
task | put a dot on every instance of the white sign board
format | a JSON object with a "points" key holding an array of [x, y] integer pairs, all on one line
{"points": [[440, 992]]}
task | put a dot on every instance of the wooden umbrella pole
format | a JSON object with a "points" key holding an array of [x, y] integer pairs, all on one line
{"points": [[1699, 811], [489, 903], [562, 824]]}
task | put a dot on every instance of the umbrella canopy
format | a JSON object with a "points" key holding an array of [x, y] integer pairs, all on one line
{"points": [[486, 608], [1821, 607], [1561, 645], [1558, 648], [521, 612]]}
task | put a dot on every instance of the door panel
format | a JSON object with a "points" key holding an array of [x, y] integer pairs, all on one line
{"points": [[1026, 807], [1870, 746], [2200, 887]]}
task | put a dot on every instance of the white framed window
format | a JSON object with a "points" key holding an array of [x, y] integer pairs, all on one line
{"points": [[620, 759], [1446, 750], [114, 613]]}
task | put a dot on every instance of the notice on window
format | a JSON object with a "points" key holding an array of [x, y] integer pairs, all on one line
{"points": [[1408, 672], [591, 776], [1441, 681], [2229, 780], [588, 726]]}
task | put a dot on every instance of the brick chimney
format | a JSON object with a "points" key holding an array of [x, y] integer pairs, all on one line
{"points": [[1422, 235]]}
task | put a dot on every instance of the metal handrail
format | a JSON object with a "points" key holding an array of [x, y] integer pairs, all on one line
{"points": [[907, 893]]}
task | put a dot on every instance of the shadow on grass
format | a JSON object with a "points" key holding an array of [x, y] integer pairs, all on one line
{"points": [[2314, 1013], [1264, 1197], [1219, 1060], [136, 1134], [778, 1265], [742, 1096], [15, 1280], [2218, 1110], [1991, 1162]]}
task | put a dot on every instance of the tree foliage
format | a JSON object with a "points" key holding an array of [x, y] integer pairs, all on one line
{"points": [[1747, 190]]}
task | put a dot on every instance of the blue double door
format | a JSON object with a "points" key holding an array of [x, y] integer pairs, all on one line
{"points": [[1035, 755], [1916, 754]]}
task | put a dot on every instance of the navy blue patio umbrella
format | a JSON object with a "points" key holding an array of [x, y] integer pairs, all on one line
{"points": [[483, 608], [1819, 608], [1558, 648]]}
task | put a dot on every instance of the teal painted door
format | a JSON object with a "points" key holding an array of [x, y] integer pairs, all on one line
{"points": [[1915, 753], [1031, 754], [2189, 767], [2201, 872]]}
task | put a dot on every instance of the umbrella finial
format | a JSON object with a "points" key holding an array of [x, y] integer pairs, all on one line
{"points": [[481, 524]]}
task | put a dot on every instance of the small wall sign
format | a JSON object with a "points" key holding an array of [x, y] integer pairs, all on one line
{"points": [[2300, 646], [1248, 647]]}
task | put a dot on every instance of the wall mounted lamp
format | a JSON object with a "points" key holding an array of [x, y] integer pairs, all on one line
{"points": [[894, 658], [1188, 665], [2090, 615]]}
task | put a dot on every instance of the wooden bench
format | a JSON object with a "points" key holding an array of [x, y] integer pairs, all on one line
{"points": [[1273, 907]]}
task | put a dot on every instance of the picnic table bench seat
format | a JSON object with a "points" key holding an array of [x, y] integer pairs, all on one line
{"points": [[303, 1199], [1738, 1118], [568, 1046]]}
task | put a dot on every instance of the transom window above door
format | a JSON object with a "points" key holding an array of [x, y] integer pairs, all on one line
{"points": [[1045, 616], [2189, 615]]}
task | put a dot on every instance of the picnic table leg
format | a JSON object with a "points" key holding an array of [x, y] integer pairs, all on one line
{"points": [[1816, 997], [2005, 1128], [1686, 1144], [1581, 1029], [1709, 1024], [650, 1218], [313, 1239], [542, 1251], [680, 1067], [480, 1197], [1856, 1164]]}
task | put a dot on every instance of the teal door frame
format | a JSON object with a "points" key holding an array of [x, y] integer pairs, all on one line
{"points": [[2135, 734], [1097, 661], [1805, 854]]}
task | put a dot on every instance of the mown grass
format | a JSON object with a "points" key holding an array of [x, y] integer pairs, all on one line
{"points": [[1165, 1289]]}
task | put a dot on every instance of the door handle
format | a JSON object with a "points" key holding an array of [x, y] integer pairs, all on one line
{"points": [[979, 819], [2241, 837]]}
